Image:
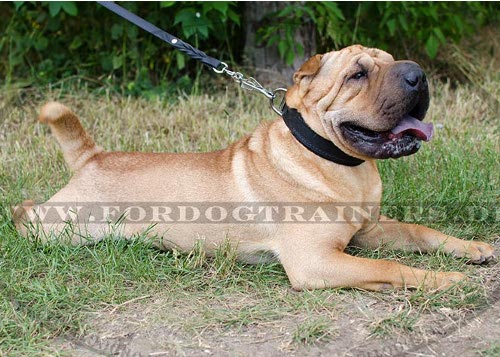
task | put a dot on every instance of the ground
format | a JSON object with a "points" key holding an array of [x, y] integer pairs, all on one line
{"points": [[150, 327]]}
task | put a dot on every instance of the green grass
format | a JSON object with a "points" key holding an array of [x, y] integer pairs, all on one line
{"points": [[403, 321], [492, 351], [52, 290], [313, 331]]}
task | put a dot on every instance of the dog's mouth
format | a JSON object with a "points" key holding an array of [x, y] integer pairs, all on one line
{"points": [[405, 138]]}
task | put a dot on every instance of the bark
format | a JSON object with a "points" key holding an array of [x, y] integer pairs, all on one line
{"points": [[270, 67]]}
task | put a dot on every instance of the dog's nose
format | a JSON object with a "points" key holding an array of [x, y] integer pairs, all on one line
{"points": [[412, 76]]}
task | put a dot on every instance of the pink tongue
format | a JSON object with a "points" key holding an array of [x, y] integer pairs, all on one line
{"points": [[414, 126]]}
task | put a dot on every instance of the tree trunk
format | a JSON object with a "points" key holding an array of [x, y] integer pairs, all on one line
{"points": [[270, 68]]}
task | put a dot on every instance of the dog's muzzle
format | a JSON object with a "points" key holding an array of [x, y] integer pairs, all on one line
{"points": [[404, 107]]}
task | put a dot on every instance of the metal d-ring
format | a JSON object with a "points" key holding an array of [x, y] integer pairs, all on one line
{"points": [[278, 109]]}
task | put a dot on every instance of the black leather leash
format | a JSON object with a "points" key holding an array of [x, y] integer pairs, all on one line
{"points": [[298, 127]]}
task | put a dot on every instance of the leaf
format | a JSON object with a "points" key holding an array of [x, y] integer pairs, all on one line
{"points": [[106, 64], [164, 4], [181, 60], [54, 8], [185, 16], [431, 46], [391, 25], [437, 31], [385, 18], [41, 44], [220, 6], [76, 43], [188, 31], [433, 12], [287, 10], [403, 22], [333, 9], [273, 39], [133, 53], [116, 31], [290, 56], [18, 4], [69, 7], [132, 32], [233, 17], [203, 31], [308, 11], [300, 50], [458, 24], [117, 61], [282, 47]]}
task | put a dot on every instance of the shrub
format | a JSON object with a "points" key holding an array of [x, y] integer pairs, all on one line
{"points": [[46, 41]]}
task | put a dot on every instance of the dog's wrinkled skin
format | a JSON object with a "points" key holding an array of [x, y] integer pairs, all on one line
{"points": [[345, 96]]}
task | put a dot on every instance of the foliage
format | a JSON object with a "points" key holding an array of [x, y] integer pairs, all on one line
{"points": [[282, 26], [49, 41], [390, 25]]}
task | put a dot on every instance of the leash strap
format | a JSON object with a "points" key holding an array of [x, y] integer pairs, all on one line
{"points": [[162, 35], [314, 142]]}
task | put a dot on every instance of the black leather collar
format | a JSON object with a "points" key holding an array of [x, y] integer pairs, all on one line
{"points": [[314, 142]]}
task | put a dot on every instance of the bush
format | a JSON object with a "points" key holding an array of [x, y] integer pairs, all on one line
{"points": [[402, 28], [45, 42]]}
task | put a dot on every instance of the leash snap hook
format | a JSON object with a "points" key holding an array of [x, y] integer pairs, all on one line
{"points": [[276, 97]]}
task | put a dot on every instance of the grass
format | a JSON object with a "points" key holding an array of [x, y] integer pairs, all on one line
{"points": [[53, 290], [403, 321], [313, 331], [493, 350]]}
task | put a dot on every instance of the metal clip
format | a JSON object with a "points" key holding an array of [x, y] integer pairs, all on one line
{"points": [[252, 84], [219, 71]]}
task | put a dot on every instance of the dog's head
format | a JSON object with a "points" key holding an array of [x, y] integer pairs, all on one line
{"points": [[368, 104]]}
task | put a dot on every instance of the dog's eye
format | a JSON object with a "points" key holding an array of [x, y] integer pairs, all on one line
{"points": [[359, 75]]}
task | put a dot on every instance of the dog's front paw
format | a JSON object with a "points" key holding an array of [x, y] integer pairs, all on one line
{"points": [[477, 252]]}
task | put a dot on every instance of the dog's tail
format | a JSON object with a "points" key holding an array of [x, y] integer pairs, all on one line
{"points": [[77, 146]]}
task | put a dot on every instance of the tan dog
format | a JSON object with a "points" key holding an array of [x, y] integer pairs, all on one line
{"points": [[360, 99]]}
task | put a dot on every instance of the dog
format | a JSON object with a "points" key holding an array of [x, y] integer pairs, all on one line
{"points": [[345, 110]]}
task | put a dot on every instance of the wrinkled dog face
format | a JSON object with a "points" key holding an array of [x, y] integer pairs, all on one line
{"points": [[368, 104]]}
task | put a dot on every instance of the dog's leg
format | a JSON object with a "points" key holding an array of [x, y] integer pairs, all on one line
{"points": [[78, 149], [414, 237], [313, 267], [20, 216], [38, 223]]}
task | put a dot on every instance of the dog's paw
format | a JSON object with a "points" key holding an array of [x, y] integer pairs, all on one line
{"points": [[476, 252]]}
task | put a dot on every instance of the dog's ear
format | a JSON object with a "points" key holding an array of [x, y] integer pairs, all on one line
{"points": [[309, 68]]}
